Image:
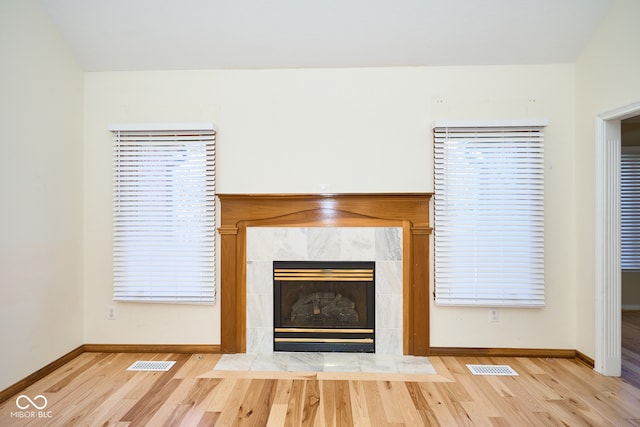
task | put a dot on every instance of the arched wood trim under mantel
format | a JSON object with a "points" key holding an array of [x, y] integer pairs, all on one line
{"points": [[409, 211]]}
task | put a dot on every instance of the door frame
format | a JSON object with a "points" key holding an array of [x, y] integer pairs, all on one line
{"points": [[608, 277]]}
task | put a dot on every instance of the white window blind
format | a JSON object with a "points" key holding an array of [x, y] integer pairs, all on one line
{"points": [[164, 213], [630, 208], [489, 214]]}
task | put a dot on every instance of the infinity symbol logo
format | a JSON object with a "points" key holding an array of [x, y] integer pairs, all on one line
{"points": [[30, 402]]}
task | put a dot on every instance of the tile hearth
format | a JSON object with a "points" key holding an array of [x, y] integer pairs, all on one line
{"points": [[325, 362]]}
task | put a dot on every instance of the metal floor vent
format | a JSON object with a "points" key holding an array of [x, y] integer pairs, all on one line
{"points": [[491, 370], [151, 365]]}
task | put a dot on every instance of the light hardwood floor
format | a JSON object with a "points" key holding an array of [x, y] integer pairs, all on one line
{"points": [[631, 347], [95, 389]]}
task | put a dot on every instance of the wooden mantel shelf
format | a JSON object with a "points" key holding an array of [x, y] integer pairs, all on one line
{"points": [[407, 210]]}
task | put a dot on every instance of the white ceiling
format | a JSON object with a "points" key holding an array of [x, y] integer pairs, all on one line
{"points": [[108, 35]]}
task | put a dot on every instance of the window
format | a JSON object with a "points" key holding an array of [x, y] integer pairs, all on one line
{"points": [[630, 208], [489, 214], [164, 213]]}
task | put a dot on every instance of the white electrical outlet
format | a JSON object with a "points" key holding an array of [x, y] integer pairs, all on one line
{"points": [[494, 315], [111, 312]]}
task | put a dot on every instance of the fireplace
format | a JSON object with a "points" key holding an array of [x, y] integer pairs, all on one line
{"points": [[324, 306], [240, 212]]}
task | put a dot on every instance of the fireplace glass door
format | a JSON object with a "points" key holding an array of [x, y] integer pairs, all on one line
{"points": [[324, 306]]}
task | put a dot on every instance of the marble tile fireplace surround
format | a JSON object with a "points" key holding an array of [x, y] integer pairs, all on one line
{"points": [[390, 229], [380, 244]]}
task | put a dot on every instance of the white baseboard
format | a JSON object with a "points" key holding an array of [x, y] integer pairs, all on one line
{"points": [[630, 307]]}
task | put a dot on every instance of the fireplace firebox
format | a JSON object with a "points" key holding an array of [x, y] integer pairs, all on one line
{"points": [[324, 306]]}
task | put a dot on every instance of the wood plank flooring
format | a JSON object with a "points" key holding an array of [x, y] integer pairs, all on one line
{"points": [[96, 390], [631, 347]]}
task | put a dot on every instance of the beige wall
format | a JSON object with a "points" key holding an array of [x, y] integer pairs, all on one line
{"points": [[607, 78], [630, 290], [122, 98], [544, 92], [337, 130], [278, 131], [41, 164]]}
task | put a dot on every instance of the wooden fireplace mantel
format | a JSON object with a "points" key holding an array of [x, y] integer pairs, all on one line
{"points": [[407, 210]]}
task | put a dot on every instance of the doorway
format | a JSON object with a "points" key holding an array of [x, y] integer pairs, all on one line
{"points": [[630, 255], [608, 283]]}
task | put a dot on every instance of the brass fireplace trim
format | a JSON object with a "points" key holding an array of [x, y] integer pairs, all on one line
{"points": [[327, 340], [325, 330], [323, 274], [407, 210]]}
